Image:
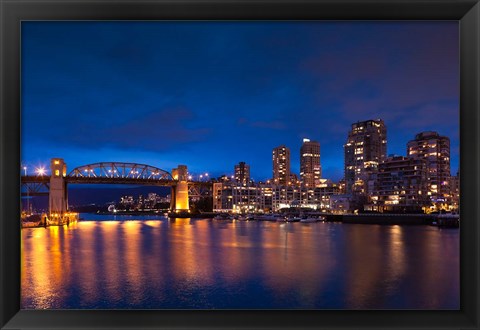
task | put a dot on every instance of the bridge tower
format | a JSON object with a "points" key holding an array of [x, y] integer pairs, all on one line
{"points": [[179, 199], [57, 201]]}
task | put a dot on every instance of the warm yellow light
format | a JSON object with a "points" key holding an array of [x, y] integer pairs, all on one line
{"points": [[56, 162]]}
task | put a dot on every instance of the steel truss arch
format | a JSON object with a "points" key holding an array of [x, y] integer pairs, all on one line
{"points": [[117, 170]]}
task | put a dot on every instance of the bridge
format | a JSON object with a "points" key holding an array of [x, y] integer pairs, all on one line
{"points": [[55, 185]]}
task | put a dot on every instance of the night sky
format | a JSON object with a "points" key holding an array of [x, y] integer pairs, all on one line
{"points": [[211, 94]]}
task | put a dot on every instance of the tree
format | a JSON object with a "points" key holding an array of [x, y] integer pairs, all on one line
{"points": [[204, 204]]}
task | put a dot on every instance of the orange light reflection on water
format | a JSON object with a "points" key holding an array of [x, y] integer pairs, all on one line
{"points": [[92, 264], [45, 267]]}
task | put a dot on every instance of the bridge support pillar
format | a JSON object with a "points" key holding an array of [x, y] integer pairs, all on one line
{"points": [[179, 202], [57, 200]]}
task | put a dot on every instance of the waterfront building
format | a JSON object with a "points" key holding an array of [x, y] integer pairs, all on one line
{"points": [[266, 197], [288, 196], [236, 197], [317, 198], [455, 192], [401, 186], [263, 197], [435, 149], [217, 190], [281, 165], [364, 150], [310, 168], [340, 204]]}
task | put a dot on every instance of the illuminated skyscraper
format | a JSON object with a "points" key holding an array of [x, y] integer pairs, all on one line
{"points": [[242, 173], [401, 185], [435, 149], [366, 147], [281, 165], [455, 191], [310, 168]]}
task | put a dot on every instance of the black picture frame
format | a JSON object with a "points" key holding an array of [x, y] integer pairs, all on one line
{"points": [[12, 12]]}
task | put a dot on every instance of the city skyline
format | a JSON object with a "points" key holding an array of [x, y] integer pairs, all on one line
{"points": [[44, 169], [231, 93]]}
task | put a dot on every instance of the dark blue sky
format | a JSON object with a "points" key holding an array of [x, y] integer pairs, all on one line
{"points": [[211, 94]]}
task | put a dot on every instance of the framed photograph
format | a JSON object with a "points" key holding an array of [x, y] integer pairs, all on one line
{"points": [[239, 164]]}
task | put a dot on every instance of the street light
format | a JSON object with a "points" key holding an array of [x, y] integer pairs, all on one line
{"points": [[25, 169], [40, 171]]}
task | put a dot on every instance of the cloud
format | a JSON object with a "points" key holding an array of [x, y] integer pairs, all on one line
{"points": [[163, 130], [442, 115], [384, 72]]}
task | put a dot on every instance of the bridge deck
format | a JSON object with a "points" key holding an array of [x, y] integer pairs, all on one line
{"points": [[45, 179]]}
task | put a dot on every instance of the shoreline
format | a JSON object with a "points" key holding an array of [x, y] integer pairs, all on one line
{"points": [[366, 218], [451, 221]]}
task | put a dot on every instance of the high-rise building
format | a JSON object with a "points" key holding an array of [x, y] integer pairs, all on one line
{"points": [[281, 165], [435, 149], [310, 168], [401, 185], [366, 147], [242, 173], [455, 191]]}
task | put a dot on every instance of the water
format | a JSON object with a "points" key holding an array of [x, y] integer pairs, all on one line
{"points": [[156, 263]]}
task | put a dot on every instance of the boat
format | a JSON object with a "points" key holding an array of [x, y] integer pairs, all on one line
{"points": [[246, 217], [293, 219]]}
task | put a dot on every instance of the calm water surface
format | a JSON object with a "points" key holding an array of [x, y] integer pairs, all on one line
{"points": [[202, 264]]}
